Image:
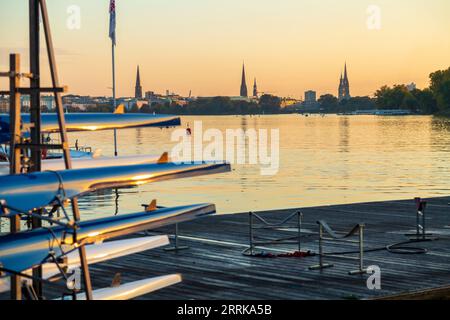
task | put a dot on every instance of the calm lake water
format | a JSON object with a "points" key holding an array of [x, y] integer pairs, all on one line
{"points": [[323, 160]]}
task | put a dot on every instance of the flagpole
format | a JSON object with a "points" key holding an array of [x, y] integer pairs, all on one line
{"points": [[114, 93], [112, 35]]}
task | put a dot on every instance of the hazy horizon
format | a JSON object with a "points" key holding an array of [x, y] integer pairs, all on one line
{"points": [[290, 46]]}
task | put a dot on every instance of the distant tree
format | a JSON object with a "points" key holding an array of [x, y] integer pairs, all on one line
{"points": [[440, 86], [269, 104], [426, 101], [397, 97], [328, 103]]}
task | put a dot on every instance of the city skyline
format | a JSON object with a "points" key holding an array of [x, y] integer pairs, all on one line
{"points": [[291, 46]]}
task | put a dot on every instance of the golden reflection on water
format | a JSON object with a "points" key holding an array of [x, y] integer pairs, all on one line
{"points": [[323, 160]]}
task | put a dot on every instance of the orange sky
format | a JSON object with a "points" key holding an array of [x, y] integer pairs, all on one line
{"points": [[199, 45]]}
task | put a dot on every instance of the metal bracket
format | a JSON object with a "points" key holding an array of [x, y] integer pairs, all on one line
{"points": [[177, 247]]}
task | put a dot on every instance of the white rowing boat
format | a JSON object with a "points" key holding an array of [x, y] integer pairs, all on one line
{"points": [[98, 253], [85, 163], [133, 289]]}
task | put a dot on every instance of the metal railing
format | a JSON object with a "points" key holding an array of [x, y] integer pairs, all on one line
{"points": [[262, 224], [324, 227]]}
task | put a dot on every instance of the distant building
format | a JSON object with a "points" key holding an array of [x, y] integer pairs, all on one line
{"points": [[4, 105], [255, 90], [310, 98], [129, 103], [138, 88], [411, 87], [289, 102], [47, 102], [244, 92], [344, 86]]}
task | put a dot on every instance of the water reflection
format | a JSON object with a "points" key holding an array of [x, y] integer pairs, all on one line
{"points": [[326, 160]]}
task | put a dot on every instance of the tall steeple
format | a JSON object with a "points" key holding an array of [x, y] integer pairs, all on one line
{"points": [[344, 86], [244, 91], [255, 89], [138, 88]]}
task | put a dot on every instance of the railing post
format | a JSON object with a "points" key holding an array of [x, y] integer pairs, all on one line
{"points": [[251, 231], [299, 224], [321, 265], [421, 228], [361, 270]]}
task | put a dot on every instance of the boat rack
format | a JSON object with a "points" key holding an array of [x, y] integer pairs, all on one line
{"points": [[176, 247], [258, 223], [323, 226]]}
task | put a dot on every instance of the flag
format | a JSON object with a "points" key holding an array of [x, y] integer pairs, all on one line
{"points": [[112, 21]]}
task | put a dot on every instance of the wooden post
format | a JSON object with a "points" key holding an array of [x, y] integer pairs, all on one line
{"points": [[14, 111], [35, 114]]}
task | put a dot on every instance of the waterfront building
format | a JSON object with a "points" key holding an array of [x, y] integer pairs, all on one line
{"points": [[310, 98], [255, 89]]}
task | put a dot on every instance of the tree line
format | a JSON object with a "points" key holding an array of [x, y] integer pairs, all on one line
{"points": [[432, 100], [267, 104]]}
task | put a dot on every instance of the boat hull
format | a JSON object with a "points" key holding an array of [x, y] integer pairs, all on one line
{"points": [[98, 253], [132, 290], [24, 250], [29, 192]]}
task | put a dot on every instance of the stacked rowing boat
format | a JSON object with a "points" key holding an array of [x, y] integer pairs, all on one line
{"points": [[55, 246]]}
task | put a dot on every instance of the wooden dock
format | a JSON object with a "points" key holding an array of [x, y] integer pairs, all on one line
{"points": [[214, 267]]}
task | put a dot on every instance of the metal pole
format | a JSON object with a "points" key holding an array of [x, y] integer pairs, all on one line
{"points": [[361, 248], [114, 93], [424, 229], [64, 141], [251, 232], [320, 246], [418, 231], [176, 235], [299, 222], [14, 111], [35, 115]]}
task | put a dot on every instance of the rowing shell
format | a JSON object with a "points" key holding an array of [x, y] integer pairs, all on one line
{"points": [[24, 250], [98, 253], [84, 163], [93, 122], [28, 192], [132, 290]]}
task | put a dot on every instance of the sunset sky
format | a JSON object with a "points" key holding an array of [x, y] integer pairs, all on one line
{"points": [[289, 45]]}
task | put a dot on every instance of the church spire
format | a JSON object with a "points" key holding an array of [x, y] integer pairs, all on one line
{"points": [[255, 89], [344, 86], [244, 92], [345, 72], [138, 88]]}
